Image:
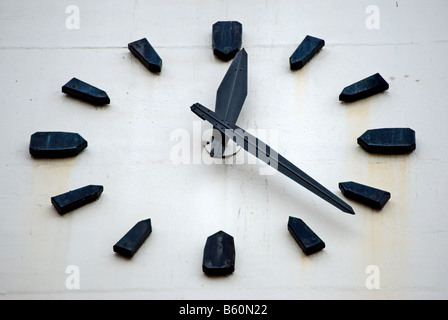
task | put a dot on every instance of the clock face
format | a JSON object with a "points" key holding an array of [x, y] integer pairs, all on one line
{"points": [[149, 151]]}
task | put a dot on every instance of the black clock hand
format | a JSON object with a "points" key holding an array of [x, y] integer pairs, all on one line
{"points": [[263, 152], [230, 98]]}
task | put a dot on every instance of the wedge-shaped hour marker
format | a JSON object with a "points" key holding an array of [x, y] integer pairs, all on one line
{"points": [[56, 144], [219, 254], [305, 51], [264, 152], [129, 244], [388, 140], [227, 39], [307, 240], [372, 197], [146, 54], [364, 88], [75, 199], [86, 92]]}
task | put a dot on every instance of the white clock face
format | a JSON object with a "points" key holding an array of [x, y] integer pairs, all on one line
{"points": [[149, 150]]}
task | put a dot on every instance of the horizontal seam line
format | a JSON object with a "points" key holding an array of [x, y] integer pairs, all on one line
{"points": [[283, 45]]}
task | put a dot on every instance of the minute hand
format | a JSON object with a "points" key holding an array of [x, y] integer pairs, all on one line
{"points": [[263, 152]]}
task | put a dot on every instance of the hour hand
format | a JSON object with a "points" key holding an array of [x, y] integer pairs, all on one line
{"points": [[230, 98]]}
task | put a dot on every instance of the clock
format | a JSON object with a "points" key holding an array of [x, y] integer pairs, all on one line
{"points": [[152, 154]]}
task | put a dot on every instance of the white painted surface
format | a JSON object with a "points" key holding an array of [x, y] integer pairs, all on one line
{"points": [[129, 150]]}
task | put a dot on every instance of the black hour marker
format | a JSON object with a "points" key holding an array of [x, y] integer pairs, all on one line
{"points": [[307, 240]]}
